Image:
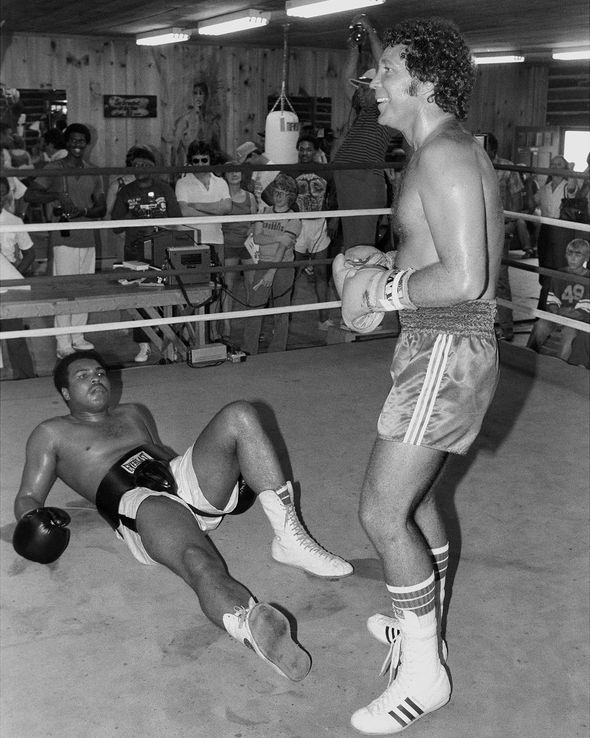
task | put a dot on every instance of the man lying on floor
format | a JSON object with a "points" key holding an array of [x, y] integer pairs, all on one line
{"points": [[163, 505]]}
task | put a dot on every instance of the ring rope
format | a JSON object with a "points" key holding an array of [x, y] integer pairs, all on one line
{"points": [[551, 317], [98, 327], [196, 220], [140, 223], [193, 220], [123, 325], [569, 224], [220, 169]]}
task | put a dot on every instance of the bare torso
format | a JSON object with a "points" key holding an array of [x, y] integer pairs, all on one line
{"points": [[84, 451], [449, 192]]}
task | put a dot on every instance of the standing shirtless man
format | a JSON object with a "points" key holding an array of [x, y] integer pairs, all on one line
{"points": [[162, 505], [444, 367]]}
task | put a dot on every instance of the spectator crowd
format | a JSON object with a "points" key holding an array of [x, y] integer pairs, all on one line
{"points": [[306, 244]]}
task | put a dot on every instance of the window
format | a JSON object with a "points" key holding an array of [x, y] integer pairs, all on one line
{"points": [[576, 147]]}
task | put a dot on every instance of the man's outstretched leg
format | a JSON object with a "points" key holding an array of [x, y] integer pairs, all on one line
{"points": [[171, 536], [398, 478], [234, 443]]}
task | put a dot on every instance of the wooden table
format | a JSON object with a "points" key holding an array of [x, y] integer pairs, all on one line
{"points": [[94, 293]]}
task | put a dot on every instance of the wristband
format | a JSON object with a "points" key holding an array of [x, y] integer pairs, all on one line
{"points": [[396, 290]]}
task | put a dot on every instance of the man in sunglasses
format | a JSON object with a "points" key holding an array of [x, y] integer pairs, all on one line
{"points": [[203, 193]]}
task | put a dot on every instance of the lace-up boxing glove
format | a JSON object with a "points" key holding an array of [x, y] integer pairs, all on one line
{"points": [[368, 290], [41, 535]]}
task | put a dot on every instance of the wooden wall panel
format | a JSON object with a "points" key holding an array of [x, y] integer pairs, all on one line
{"points": [[506, 96], [240, 81]]}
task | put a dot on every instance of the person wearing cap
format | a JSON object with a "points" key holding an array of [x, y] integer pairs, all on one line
{"points": [[273, 241], [146, 196], [117, 246], [250, 153], [366, 140]]}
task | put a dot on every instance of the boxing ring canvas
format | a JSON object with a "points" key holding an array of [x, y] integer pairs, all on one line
{"points": [[98, 645]]}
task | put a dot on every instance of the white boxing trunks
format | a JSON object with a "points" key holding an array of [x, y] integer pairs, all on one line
{"points": [[189, 495]]}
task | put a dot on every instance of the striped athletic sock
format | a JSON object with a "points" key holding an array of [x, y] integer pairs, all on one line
{"points": [[418, 598], [440, 562]]}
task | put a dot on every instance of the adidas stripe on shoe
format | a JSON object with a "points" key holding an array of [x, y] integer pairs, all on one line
{"points": [[398, 708]]}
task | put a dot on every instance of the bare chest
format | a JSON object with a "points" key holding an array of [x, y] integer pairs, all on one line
{"points": [[91, 449]]}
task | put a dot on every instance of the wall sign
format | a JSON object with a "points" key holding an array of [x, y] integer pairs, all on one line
{"points": [[130, 106]]}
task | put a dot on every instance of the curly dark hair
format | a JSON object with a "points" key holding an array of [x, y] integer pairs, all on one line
{"points": [[202, 148], [60, 371], [77, 128], [436, 52]]}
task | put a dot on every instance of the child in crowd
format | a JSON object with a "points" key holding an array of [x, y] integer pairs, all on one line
{"points": [[568, 298], [272, 241]]}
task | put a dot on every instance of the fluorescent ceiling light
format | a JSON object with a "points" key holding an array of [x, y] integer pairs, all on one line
{"points": [[505, 59], [569, 55], [233, 22], [162, 36], [314, 8]]}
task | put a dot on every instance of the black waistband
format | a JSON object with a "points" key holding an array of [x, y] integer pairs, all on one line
{"points": [[120, 479]]}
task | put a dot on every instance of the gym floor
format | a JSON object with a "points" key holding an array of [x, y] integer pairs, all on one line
{"points": [[98, 645]]}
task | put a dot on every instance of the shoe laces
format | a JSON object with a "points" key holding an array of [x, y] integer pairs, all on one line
{"points": [[301, 535], [242, 612], [393, 656]]}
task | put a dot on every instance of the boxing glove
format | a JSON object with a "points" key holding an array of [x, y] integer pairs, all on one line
{"points": [[340, 270], [370, 291], [358, 257], [369, 256], [41, 535]]}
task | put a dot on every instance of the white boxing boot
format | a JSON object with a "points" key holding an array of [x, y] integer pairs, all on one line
{"points": [[386, 630], [421, 683], [267, 632], [292, 544]]}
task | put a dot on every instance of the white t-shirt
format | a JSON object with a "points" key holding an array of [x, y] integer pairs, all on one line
{"points": [[551, 199], [191, 190], [10, 241], [16, 189]]}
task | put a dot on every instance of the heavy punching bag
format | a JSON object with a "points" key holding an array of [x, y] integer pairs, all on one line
{"points": [[282, 126], [281, 136]]}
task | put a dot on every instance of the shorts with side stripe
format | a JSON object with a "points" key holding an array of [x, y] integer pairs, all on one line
{"points": [[445, 372]]}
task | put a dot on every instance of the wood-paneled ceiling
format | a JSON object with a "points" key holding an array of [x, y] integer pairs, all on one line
{"points": [[530, 26]]}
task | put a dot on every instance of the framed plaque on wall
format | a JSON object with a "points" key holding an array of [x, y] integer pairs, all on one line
{"points": [[130, 106]]}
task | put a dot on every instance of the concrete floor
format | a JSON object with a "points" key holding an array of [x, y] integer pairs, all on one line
{"points": [[97, 645]]}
